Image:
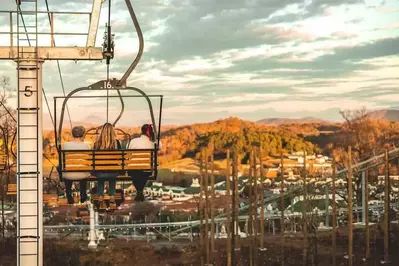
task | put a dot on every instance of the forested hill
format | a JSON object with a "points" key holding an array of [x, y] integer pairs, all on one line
{"points": [[186, 141]]}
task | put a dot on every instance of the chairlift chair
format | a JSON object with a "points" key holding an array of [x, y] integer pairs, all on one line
{"points": [[108, 160], [105, 160]]}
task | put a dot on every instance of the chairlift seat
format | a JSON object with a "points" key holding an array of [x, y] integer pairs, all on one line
{"points": [[12, 189], [109, 161], [3, 160]]}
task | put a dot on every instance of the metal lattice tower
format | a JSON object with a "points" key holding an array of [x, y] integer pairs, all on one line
{"points": [[29, 160]]}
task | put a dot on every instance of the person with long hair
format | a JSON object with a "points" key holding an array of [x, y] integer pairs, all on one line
{"points": [[145, 141], [107, 141]]}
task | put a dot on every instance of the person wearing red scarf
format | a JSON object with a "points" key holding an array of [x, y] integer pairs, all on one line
{"points": [[145, 141]]}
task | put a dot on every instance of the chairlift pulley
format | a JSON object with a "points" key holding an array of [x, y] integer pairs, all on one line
{"points": [[109, 44]]}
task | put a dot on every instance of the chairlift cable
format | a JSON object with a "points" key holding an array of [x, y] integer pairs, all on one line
{"points": [[23, 22], [107, 93], [8, 111], [45, 156], [108, 47], [48, 107], [27, 37], [59, 67]]}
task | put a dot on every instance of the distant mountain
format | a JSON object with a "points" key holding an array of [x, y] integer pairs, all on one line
{"points": [[282, 121], [387, 114]]}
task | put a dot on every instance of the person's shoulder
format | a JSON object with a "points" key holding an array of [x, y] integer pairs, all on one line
{"points": [[67, 144], [87, 144], [137, 139]]}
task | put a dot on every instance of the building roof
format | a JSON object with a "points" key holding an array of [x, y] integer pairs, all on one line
{"points": [[192, 190]]}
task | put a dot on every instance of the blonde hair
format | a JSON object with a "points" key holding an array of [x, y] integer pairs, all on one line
{"points": [[107, 138]]}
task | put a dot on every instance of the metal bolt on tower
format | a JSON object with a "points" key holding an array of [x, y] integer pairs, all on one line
{"points": [[30, 56]]}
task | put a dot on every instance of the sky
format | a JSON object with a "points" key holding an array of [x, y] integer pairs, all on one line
{"points": [[252, 59]]}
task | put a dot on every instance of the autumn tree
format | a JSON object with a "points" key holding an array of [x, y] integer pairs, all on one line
{"points": [[366, 136], [8, 125]]}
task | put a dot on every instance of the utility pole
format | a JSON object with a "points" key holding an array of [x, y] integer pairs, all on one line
{"points": [[350, 211], [327, 205], [236, 203], [3, 193], [201, 207], [366, 211], [282, 207], [262, 199], [334, 214], [228, 210], [30, 57], [256, 199], [206, 209], [212, 205], [233, 214], [386, 209], [250, 212], [304, 212]]}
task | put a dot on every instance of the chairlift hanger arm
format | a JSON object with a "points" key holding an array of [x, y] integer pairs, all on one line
{"points": [[122, 108], [110, 51], [122, 82]]}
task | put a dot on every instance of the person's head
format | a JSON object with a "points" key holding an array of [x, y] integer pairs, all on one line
{"points": [[107, 138], [148, 130], [78, 132]]}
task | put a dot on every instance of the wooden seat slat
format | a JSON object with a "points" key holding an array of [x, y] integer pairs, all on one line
{"points": [[78, 162], [137, 161], [12, 189], [108, 167], [78, 168], [138, 155], [108, 157], [77, 156], [113, 162], [138, 167]]}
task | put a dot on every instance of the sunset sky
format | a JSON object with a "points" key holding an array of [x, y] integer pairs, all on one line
{"points": [[248, 58]]}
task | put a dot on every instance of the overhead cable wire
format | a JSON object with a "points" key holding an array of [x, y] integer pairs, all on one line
{"points": [[108, 47], [45, 156], [23, 22], [8, 111], [44, 93], [58, 66], [48, 107]]}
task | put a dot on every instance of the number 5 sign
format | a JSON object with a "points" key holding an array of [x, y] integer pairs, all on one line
{"points": [[28, 91]]}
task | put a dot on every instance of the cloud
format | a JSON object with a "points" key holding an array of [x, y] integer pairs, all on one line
{"points": [[199, 65], [387, 98], [281, 33], [250, 97], [248, 58]]}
